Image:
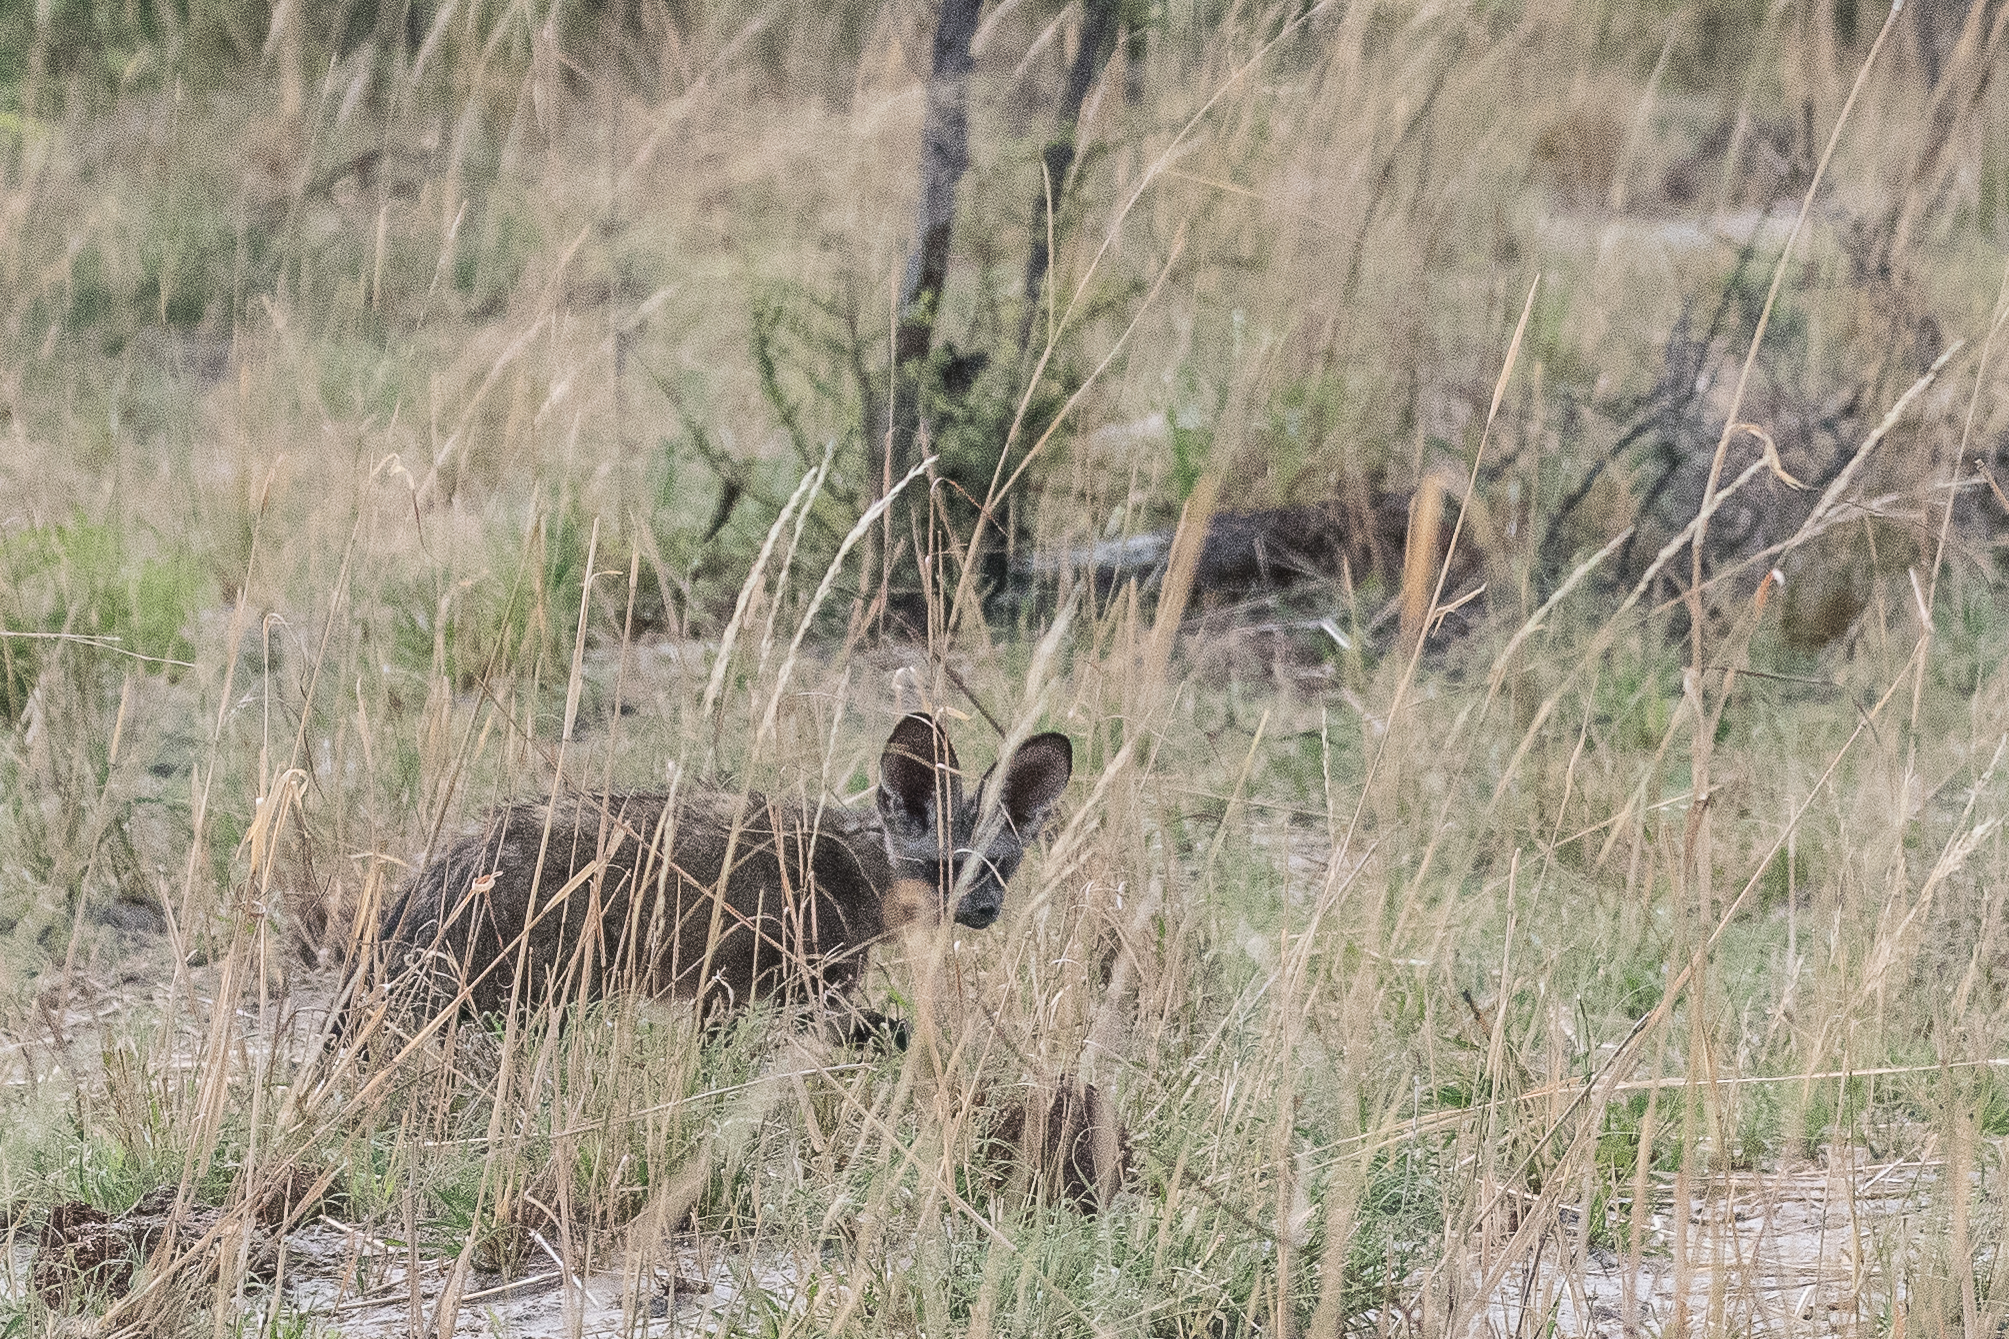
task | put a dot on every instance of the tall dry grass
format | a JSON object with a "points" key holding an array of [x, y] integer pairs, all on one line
{"points": [[368, 417]]}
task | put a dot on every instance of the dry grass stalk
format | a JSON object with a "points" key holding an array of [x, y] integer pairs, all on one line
{"points": [[1419, 558]]}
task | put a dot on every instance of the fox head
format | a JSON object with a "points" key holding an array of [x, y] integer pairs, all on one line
{"points": [[965, 845]]}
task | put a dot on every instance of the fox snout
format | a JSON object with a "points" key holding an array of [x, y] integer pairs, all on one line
{"points": [[978, 915]]}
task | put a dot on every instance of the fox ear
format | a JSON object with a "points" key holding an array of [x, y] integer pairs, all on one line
{"points": [[917, 774], [1034, 781]]}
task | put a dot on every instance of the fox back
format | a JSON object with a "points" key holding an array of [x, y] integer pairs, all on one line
{"points": [[723, 898]]}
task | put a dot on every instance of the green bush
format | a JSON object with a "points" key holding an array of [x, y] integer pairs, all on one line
{"points": [[81, 579]]}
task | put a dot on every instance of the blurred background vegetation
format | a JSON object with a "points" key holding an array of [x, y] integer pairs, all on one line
{"points": [[642, 260]]}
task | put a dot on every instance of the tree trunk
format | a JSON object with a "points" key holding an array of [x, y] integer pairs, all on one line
{"points": [[945, 135], [1135, 43], [1098, 24], [1938, 24]]}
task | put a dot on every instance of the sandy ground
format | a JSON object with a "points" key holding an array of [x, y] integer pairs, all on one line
{"points": [[327, 1260], [1793, 1253]]}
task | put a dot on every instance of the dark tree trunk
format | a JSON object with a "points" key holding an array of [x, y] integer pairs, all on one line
{"points": [[945, 135], [1098, 25], [1938, 28], [1134, 49]]}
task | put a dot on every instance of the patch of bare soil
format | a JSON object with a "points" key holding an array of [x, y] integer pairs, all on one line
{"points": [[1802, 1253], [361, 1286], [1806, 1252]]}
